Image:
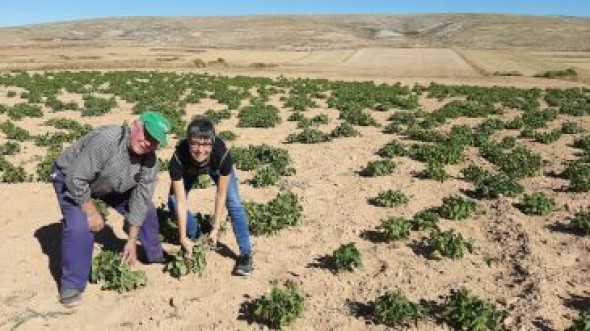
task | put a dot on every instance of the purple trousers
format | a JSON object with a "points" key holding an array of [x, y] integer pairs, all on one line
{"points": [[77, 240]]}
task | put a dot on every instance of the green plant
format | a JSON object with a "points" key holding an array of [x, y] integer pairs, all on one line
{"points": [[378, 168], [425, 220], [389, 198], [265, 176], [347, 257], [581, 323], [283, 211], [392, 308], [391, 149], [474, 173], [227, 135], [394, 228], [345, 129], [203, 181], [115, 274], [580, 223], [434, 170], [259, 116], [536, 204], [180, 265], [494, 185], [279, 308], [465, 311], [456, 208], [9, 148], [447, 244], [308, 136], [216, 116]]}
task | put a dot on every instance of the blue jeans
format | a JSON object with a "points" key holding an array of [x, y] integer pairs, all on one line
{"points": [[233, 203]]}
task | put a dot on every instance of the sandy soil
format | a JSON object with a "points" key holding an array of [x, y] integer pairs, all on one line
{"points": [[540, 275]]}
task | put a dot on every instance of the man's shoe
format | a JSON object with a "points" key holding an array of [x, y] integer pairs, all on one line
{"points": [[243, 265], [70, 297]]}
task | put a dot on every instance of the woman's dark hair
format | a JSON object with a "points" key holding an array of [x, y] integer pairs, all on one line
{"points": [[201, 128]]}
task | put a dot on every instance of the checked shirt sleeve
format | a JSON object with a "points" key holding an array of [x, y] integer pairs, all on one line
{"points": [[93, 155], [141, 196]]}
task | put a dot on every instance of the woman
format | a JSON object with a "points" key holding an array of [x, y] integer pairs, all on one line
{"points": [[201, 152]]}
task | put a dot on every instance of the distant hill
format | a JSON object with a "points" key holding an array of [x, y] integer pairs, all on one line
{"points": [[472, 31]]}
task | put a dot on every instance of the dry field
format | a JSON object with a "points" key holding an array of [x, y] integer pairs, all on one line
{"points": [[540, 274]]}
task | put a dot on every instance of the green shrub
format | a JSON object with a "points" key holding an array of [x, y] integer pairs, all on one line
{"points": [[394, 228], [456, 208], [447, 244], [494, 185], [216, 116], [435, 171], [265, 176], [259, 116], [180, 266], [536, 204], [115, 274], [281, 212], [9, 148], [345, 129], [281, 307], [378, 168], [308, 136], [474, 173], [581, 323], [227, 135], [391, 149], [424, 220], [389, 198], [393, 309], [465, 311], [580, 224], [347, 257]]}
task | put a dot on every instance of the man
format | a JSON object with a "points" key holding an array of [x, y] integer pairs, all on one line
{"points": [[118, 165], [200, 153]]}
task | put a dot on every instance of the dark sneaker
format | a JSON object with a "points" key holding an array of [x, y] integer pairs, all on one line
{"points": [[70, 297], [243, 265]]}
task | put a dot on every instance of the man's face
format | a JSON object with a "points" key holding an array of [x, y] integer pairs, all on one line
{"points": [[140, 140], [200, 148]]}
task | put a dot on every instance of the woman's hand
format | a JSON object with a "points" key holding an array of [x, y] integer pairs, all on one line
{"points": [[187, 247], [130, 252]]}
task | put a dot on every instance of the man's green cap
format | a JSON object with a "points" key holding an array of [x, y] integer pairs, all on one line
{"points": [[157, 126]]}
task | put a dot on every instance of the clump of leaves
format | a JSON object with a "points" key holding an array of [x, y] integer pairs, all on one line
{"points": [[474, 173], [9, 148], [255, 156], [393, 308], [345, 129], [308, 136], [279, 213], [582, 322], [447, 244], [180, 265], [391, 149], [571, 128], [394, 228], [259, 116], [115, 274], [465, 311], [347, 257], [389, 198], [578, 174], [202, 182], [494, 185], [536, 204], [434, 170], [580, 223], [378, 168], [279, 308], [227, 135], [216, 116], [456, 208], [425, 220], [265, 176]]}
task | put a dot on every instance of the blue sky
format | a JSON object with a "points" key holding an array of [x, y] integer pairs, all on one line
{"points": [[23, 12]]}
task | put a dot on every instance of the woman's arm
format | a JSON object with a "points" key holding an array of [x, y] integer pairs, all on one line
{"points": [[181, 211], [220, 198]]}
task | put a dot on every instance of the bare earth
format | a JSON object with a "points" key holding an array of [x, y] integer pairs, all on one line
{"points": [[538, 270]]}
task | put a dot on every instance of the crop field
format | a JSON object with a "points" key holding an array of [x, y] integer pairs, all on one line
{"points": [[372, 205]]}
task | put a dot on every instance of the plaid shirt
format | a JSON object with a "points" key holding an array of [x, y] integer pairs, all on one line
{"points": [[101, 163]]}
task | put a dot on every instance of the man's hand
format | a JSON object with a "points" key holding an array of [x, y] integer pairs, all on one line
{"points": [[130, 252], [187, 246], [95, 220]]}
